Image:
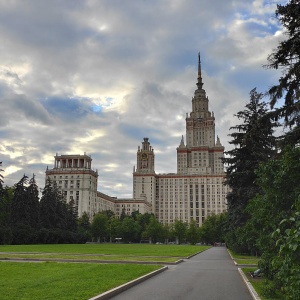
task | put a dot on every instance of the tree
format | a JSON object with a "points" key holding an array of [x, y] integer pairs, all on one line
{"points": [[193, 233], [20, 209], [287, 58], [1, 179], [288, 259], [84, 223], [5, 214], [212, 229], [71, 216], [143, 220], [129, 229], [99, 226], [32, 194], [154, 230], [254, 144], [53, 208], [180, 230], [279, 181]]}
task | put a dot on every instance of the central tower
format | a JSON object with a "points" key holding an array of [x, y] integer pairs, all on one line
{"points": [[200, 155], [196, 190]]}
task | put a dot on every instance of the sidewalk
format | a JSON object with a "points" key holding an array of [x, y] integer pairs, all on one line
{"points": [[210, 275]]}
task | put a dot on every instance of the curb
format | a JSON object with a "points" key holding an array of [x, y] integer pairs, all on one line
{"points": [[252, 291], [91, 261], [126, 286], [249, 285]]}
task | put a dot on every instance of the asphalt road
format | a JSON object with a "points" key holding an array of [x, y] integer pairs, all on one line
{"points": [[210, 275]]}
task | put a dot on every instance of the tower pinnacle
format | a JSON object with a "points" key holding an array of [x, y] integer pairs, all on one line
{"points": [[199, 82]]}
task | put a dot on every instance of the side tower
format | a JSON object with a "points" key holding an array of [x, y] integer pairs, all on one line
{"points": [[144, 177], [74, 176]]}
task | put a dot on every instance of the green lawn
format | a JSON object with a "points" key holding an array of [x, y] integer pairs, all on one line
{"points": [[89, 257], [110, 249], [240, 256], [68, 281], [53, 280], [247, 261]]}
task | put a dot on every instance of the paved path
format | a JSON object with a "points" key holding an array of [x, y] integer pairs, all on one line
{"points": [[210, 275]]}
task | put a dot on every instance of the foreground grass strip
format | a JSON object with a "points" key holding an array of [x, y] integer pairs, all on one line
{"points": [[247, 261], [241, 256], [68, 281], [258, 284], [110, 249], [95, 258]]}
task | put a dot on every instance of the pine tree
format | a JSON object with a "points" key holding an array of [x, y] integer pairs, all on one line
{"points": [[20, 210], [254, 143], [1, 180], [33, 202], [287, 58]]}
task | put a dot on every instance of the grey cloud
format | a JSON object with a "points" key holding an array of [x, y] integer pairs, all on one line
{"points": [[143, 53]]}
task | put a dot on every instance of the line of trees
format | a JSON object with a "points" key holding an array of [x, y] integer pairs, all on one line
{"points": [[263, 170], [145, 228], [26, 219]]}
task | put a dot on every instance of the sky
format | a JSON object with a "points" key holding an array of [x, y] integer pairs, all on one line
{"points": [[97, 76]]}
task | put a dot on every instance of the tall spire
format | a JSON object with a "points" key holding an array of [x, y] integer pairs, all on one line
{"points": [[199, 82]]}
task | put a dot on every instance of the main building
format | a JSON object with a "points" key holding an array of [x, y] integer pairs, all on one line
{"points": [[194, 192]]}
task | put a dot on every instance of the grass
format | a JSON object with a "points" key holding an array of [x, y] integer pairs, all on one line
{"points": [[51, 280], [258, 284], [241, 256], [247, 261], [241, 259], [110, 249], [89, 257]]}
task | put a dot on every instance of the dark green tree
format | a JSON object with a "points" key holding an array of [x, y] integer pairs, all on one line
{"points": [[1, 180], [99, 227], [53, 208], [5, 212], [84, 223], [129, 229], [154, 231], [33, 203], [71, 216], [23, 230], [193, 233], [279, 180], [143, 220], [180, 230], [253, 143], [286, 57], [20, 210], [212, 229]]}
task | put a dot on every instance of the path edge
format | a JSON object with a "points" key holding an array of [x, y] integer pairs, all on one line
{"points": [[126, 286], [249, 285]]}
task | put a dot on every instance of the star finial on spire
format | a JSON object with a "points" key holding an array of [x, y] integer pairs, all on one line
{"points": [[199, 82]]}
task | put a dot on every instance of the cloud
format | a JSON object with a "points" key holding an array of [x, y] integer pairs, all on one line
{"points": [[98, 76]]}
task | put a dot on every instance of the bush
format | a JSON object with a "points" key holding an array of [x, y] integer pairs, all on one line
{"points": [[24, 234]]}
